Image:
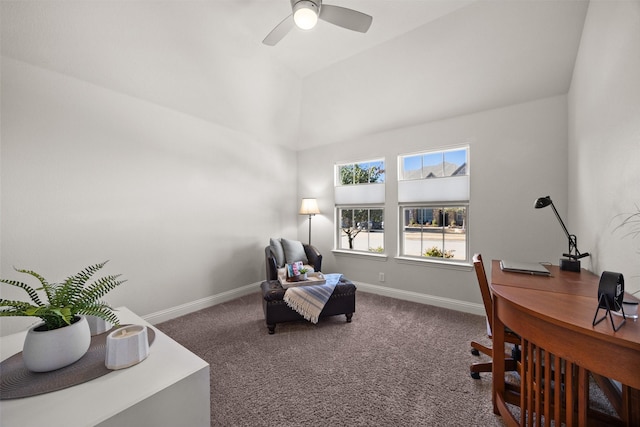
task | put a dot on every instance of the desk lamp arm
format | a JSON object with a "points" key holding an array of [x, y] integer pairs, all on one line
{"points": [[574, 253]]}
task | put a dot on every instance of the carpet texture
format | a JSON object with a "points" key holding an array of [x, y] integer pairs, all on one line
{"points": [[398, 363]]}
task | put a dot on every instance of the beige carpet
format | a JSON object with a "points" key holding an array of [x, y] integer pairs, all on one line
{"points": [[398, 363]]}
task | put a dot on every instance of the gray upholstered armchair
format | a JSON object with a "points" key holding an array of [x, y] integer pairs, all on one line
{"points": [[275, 259]]}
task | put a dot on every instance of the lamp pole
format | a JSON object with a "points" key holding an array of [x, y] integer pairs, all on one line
{"points": [[309, 207]]}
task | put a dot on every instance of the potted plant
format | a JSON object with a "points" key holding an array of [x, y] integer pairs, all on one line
{"points": [[303, 273], [63, 337]]}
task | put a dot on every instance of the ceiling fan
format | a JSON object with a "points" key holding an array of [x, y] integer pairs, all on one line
{"points": [[306, 14]]}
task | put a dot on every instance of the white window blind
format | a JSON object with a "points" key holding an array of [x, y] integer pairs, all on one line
{"points": [[359, 194], [446, 189]]}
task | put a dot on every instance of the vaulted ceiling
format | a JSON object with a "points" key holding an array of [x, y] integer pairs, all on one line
{"points": [[421, 60]]}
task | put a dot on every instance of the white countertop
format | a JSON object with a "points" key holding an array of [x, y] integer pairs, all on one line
{"points": [[98, 400]]}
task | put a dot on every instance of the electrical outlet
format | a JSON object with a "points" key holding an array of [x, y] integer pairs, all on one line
{"points": [[381, 277]]}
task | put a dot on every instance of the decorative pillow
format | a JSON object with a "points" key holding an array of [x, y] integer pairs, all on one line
{"points": [[276, 248], [294, 251]]}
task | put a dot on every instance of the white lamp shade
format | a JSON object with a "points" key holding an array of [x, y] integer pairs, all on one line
{"points": [[305, 14], [309, 207]]}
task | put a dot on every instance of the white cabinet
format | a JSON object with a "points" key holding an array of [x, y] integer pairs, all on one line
{"points": [[169, 388]]}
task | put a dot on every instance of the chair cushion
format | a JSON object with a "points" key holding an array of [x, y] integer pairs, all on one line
{"points": [[294, 251], [278, 252]]}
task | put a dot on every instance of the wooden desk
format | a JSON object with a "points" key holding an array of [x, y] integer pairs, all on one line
{"points": [[554, 317]]}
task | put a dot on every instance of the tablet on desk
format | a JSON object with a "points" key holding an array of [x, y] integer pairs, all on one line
{"points": [[524, 267]]}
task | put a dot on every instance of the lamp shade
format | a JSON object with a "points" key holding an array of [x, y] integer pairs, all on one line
{"points": [[309, 207], [305, 14], [543, 202]]}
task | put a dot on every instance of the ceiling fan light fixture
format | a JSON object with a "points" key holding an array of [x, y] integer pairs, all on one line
{"points": [[305, 14]]}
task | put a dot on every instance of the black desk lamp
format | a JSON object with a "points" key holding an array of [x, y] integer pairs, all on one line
{"points": [[572, 262]]}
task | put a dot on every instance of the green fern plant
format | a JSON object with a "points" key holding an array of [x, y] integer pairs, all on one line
{"points": [[66, 300]]}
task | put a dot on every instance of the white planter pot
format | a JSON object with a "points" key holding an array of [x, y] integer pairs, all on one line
{"points": [[45, 351], [98, 325]]}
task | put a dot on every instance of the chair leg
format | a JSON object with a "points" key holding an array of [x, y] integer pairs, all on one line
{"points": [[480, 348], [476, 368]]}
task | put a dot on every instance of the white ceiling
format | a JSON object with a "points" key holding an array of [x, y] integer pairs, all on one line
{"points": [[421, 60]]}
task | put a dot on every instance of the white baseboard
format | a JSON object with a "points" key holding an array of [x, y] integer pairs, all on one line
{"points": [[453, 304], [190, 307]]}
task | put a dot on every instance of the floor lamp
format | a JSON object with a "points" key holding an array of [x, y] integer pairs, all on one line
{"points": [[309, 207]]}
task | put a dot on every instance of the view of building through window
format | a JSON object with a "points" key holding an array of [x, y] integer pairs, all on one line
{"points": [[434, 164], [433, 205], [430, 225], [440, 232]]}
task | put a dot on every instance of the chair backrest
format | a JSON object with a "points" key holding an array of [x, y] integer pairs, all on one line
{"points": [[484, 289]]}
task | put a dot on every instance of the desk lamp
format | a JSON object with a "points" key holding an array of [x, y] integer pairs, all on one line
{"points": [[309, 207], [572, 260]]}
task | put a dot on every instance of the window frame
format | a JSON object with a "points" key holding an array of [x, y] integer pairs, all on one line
{"points": [[433, 206], [360, 196], [369, 229], [457, 182]]}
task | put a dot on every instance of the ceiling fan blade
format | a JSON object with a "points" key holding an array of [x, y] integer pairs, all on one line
{"points": [[279, 31], [346, 18]]}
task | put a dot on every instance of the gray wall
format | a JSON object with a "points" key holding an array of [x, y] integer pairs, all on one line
{"points": [[180, 206], [604, 138], [517, 154]]}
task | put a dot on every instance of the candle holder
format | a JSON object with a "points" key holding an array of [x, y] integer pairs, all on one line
{"points": [[126, 347]]}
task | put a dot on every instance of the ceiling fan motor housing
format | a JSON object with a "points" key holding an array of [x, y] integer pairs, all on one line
{"points": [[315, 3], [305, 13]]}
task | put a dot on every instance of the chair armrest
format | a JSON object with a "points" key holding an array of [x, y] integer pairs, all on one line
{"points": [[270, 264], [314, 257]]}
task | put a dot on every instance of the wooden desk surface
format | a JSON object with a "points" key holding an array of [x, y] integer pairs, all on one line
{"points": [[556, 313], [565, 282], [569, 301]]}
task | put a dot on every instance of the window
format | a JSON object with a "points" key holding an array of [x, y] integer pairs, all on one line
{"points": [[361, 229], [434, 164], [433, 194], [368, 172], [434, 232], [359, 199]]}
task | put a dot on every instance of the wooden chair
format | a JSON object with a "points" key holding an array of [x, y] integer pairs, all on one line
{"points": [[511, 360]]}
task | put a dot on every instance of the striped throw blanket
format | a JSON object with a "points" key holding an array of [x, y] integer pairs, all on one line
{"points": [[310, 300]]}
